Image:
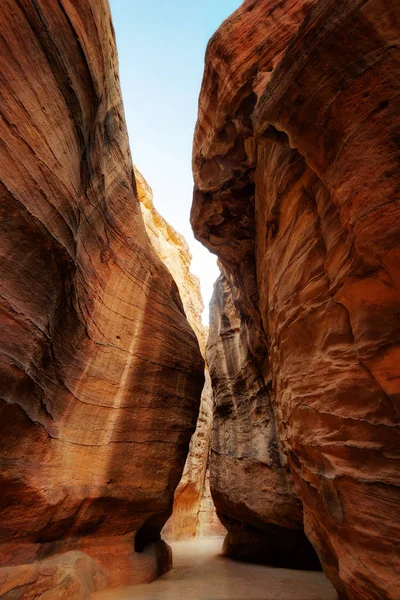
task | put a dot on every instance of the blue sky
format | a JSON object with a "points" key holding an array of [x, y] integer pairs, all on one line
{"points": [[161, 46]]}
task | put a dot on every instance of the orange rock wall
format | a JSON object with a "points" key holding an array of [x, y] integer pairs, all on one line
{"points": [[100, 372], [297, 178], [208, 523]]}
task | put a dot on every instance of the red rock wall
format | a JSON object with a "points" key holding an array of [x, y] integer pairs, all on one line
{"points": [[297, 177], [100, 373]]}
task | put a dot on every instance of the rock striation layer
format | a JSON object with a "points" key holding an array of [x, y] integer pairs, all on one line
{"points": [[174, 252], [100, 372], [193, 511], [297, 191]]}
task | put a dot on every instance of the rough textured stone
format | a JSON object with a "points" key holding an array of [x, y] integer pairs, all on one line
{"points": [[72, 575], [188, 495], [208, 523], [173, 250], [297, 177], [250, 478], [100, 372]]}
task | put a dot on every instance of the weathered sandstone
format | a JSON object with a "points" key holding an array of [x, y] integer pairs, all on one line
{"points": [[100, 372], [72, 575], [174, 252], [193, 514], [208, 523], [250, 479], [297, 191]]}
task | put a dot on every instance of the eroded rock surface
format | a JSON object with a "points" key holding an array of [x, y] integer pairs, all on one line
{"points": [[250, 479], [100, 372], [193, 511], [297, 181], [72, 575], [184, 521], [174, 252], [208, 523]]}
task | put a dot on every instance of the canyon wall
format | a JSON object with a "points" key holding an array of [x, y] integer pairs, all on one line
{"points": [[184, 520], [100, 372], [296, 166], [193, 511], [173, 250], [250, 478]]}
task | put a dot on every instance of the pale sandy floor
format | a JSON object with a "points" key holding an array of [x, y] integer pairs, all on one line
{"points": [[200, 573]]}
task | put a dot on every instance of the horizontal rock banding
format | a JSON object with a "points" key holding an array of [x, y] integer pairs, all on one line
{"points": [[101, 373]]}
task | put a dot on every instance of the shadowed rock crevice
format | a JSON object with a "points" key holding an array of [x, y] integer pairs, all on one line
{"points": [[193, 510], [267, 543]]}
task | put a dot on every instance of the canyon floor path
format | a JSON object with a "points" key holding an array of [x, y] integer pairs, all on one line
{"points": [[201, 573]]}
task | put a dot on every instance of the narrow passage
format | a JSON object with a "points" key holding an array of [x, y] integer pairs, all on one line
{"points": [[201, 573]]}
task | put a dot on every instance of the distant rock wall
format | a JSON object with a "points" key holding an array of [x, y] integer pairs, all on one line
{"points": [[188, 495], [173, 250], [297, 190], [100, 372], [208, 523]]}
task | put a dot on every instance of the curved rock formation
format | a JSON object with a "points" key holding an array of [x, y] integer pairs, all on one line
{"points": [[71, 575], [190, 496], [100, 372], [297, 177]]}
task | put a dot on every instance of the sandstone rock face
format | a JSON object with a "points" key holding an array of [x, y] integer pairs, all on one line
{"points": [[72, 575], [190, 500], [100, 372], [174, 252], [184, 521], [297, 178], [208, 523]]}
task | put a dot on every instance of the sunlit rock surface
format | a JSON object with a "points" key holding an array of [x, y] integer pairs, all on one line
{"points": [[100, 372], [184, 521], [297, 177], [70, 575], [174, 252], [208, 523], [193, 511]]}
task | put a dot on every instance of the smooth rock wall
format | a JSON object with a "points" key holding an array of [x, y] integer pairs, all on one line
{"points": [[100, 372]]}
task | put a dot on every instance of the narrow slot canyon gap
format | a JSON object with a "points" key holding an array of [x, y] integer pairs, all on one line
{"points": [[126, 424]]}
